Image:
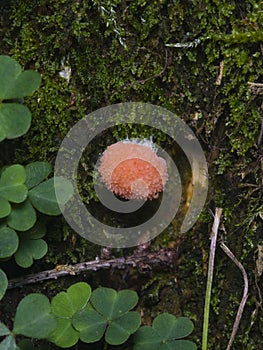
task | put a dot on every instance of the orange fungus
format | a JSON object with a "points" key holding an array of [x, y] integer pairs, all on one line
{"points": [[132, 170]]}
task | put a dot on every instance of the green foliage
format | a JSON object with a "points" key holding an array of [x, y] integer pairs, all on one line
{"points": [[36, 172], [82, 314], [111, 314], [165, 334], [33, 317], [64, 306], [12, 187], [23, 190], [3, 284], [8, 343], [15, 118], [8, 242], [4, 330], [227, 32], [21, 193], [31, 245]]}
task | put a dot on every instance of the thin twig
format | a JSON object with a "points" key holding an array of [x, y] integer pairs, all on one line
{"points": [[245, 293], [260, 85], [163, 257], [261, 129], [217, 216], [220, 76]]}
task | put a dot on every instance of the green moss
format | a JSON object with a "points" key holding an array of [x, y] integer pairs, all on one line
{"points": [[116, 51]]}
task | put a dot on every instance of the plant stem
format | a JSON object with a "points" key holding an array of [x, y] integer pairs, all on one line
{"points": [[218, 213]]}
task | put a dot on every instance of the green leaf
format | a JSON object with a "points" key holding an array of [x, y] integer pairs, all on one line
{"points": [[90, 324], [8, 242], [43, 197], [17, 83], [120, 329], [164, 334], [36, 172], [146, 338], [112, 313], [22, 217], [66, 304], [2, 133], [33, 317], [5, 207], [8, 343], [3, 287], [15, 120], [64, 335], [112, 304], [12, 186], [31, 246], [170, 327], [4, 330]]}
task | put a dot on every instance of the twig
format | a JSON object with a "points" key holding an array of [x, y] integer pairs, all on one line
{"points": [[142, 262], [217, 216], [220, 76], [261, 129], [245, 294], [260, 85]]}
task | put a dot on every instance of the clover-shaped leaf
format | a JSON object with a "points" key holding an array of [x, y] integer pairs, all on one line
{"points": [[5, 207], [165, 334], [36, 172], [112, 304], [17, 83], [121, 328], [90, 324], [33, 317], [43, 196], [15, 118], [8, 242], [3, 287], [8, 343], [31, 246], [22, 216], [4, 330], [64, 306], [111, 313], [12, 187]]}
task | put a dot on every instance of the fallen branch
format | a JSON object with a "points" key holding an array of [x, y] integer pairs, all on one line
{"points": [[162, 257]]}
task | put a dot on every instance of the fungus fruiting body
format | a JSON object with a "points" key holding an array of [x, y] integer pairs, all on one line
{"points": [[131, 169]]}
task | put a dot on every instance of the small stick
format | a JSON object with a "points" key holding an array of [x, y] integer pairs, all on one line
{"points": [[217, 216], [162, 257], [220, 76], [245, 293]]}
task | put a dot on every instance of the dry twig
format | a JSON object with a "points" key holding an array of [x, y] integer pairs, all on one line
{"points": [[245, 293], [162, 257]]}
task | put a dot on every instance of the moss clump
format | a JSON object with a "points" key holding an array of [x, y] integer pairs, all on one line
{"points": [[117, 51]]}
